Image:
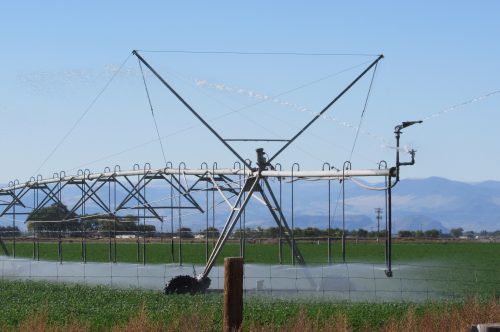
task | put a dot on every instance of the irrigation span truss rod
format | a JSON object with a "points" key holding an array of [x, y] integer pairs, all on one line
{"points": [[324, 174]]}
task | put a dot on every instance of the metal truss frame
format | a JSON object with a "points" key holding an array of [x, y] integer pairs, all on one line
{"points": [[256, 182]]}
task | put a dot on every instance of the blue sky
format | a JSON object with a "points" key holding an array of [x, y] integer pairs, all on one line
{"points": [[57, 56]]}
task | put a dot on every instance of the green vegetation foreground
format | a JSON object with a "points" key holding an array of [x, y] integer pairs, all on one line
{"points": [[30, 306]]}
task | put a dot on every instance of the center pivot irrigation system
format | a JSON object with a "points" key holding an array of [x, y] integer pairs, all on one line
{"points": [[255, 183]]}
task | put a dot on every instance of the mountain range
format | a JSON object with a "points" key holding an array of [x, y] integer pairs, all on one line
{"points": [[418, 204]]}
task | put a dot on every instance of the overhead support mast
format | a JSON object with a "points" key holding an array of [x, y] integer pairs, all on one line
{"points": [[258, 176], [225, 141]]}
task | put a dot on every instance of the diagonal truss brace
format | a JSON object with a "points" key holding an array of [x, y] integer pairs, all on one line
{"points": [[16, 199]]}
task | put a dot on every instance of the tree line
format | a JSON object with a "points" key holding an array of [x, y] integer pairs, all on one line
{"points": [[308, 232], [454, 233], [56, 220], [51, 221], [9, 231]]}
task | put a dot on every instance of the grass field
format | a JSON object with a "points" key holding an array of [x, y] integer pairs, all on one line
{"points": [[40, 306], [464, 254], [195, 252]]}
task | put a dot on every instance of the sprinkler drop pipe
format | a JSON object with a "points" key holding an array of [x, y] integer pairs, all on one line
{"points": [[398, 132], [395, 172]]}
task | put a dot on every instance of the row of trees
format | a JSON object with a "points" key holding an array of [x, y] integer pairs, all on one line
{"points": [[274, 232], [48, 222], [458, 232], [454, 233], [431, 233], [9, 231]]}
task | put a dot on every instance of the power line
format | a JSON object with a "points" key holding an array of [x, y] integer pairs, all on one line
{"points": [[378, 211]]}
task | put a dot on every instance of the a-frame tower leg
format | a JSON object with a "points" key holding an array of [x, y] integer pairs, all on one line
{"points": [[251, 186], [282, 224]]}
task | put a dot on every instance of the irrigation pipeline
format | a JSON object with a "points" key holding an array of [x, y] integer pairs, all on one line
{"points": [[100, 191], [325, 174]]}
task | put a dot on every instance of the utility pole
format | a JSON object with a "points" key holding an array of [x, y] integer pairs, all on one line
{"points": [[378, 211]]}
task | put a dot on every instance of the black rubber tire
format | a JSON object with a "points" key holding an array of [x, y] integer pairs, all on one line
{"points": [[187, 285]]}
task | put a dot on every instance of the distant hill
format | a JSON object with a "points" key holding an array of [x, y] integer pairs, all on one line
{"points": [[424, 203], [474, 206]]}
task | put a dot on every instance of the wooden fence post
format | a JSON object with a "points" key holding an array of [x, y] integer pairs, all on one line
{"points": [[233, 293]]}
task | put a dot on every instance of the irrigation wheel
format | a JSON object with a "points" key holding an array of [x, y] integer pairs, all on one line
{"points": [[187, 285]]}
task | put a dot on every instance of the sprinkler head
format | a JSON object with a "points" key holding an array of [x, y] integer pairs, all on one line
{"points": [[261, 159], [405, 124]]}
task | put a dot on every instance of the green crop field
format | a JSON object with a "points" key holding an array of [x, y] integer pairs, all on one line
{"points": [[101, 308], [195, 252], [462, 254]]}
